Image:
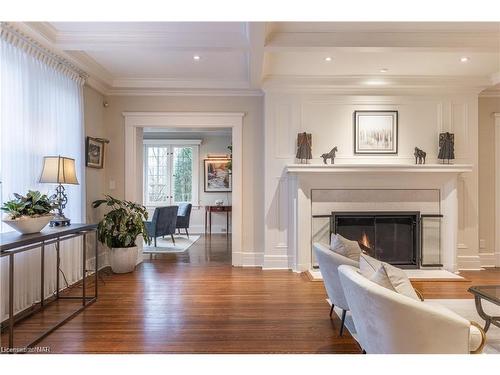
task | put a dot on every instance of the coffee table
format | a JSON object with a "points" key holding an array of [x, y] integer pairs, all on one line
{"points": [[490, 293]]}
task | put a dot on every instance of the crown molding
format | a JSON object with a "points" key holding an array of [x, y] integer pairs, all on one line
{"points": [[159, 82], [384, 41], [45, 34], [182, 92], [490, 94], [375, 85]]}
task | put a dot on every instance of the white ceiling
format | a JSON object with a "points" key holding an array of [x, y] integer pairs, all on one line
{"points": [[134, 57]]}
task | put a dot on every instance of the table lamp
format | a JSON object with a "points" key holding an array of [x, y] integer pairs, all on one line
{"points": [[59, 170]]}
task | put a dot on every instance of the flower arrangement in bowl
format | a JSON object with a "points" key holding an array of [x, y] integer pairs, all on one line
{"points": [[119, 230], [30, 213]]}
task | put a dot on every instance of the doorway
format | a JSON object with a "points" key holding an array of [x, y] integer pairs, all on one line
{"points": [[137, 122]]}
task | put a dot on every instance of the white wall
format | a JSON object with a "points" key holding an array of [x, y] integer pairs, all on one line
{"points": [[487, 175], [330, 120]]}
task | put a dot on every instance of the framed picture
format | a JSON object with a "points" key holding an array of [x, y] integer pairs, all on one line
{"points": [[375, 132], [94, 152], [217, 175]]}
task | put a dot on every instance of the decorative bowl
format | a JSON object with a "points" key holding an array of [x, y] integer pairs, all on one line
{"points": [[29, 224]]}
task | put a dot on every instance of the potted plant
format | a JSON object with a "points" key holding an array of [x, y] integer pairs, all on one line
{"points": [[119, 230], [30, 213]]}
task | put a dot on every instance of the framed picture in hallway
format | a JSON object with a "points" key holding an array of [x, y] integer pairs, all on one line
{"points": [[218, 175], [375, 132]]}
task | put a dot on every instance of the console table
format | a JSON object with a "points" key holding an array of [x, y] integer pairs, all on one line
{"points": [[208, 212], [13, 243]]}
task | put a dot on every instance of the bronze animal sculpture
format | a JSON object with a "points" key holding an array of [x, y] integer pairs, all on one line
{"points": [[419, 156], [330, 155]]}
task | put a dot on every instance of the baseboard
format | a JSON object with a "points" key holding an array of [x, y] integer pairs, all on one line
{"points": [[489, 259], [275, 262], [103, 261], [469, 262], [200, 229], [252, 259]]}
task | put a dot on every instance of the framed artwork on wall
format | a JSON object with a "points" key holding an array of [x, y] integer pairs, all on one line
{"points": [[375, 132], [94, 152], [217, 175]]}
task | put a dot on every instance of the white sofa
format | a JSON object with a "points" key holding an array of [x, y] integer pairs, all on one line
{"points": [[388, 322], [329, 262]]}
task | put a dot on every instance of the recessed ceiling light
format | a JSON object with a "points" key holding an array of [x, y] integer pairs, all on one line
{"points": [[196, 57], [375, 82], [384, 70], [464, 59], [328, 58]]}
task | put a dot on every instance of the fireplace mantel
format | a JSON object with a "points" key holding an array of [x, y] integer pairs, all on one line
{"points": [[378, 168]]}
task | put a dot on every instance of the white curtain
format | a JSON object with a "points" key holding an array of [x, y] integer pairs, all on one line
{"points": [[41, 114]]}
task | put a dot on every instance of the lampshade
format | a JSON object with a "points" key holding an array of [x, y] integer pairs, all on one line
{"points": [[59, 170]]}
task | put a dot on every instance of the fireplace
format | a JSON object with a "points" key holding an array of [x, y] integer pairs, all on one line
{"points": [[392, 237]]}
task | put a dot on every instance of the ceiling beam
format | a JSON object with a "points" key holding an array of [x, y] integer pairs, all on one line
{"points": [[98, 41], [256, 39], [384, 41]]}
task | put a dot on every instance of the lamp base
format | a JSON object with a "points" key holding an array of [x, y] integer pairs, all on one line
{"points": [[60, 221]]}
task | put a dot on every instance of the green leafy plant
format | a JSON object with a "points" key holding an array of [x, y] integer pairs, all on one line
{"points": [[33, 204], [122, 224]]}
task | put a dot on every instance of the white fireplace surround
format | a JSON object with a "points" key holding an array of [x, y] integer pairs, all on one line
{"points": [[303, 178]]}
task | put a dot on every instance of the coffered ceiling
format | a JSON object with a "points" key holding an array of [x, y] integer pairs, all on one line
{"points": [[242, 58]]}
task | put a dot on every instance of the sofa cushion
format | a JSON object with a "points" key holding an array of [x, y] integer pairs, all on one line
{"points": [[368, 265], [345, 247], [395, 279]]}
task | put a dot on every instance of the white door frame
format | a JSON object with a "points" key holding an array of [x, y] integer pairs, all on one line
{"points": [[234, 120], [497, 189]]}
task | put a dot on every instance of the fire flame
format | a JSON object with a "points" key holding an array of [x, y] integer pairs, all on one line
{"points": [[365, 241]]}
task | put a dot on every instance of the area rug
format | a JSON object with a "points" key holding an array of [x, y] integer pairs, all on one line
{"points": [[463, 307], [182, 243], [420, 275]]}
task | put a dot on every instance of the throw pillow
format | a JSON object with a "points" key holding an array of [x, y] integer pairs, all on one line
{"points": [[345, 247], [394, 279], [368, 265]]}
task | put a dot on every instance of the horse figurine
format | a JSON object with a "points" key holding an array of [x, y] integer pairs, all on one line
{"points": [[419, 156], [330, 155]]}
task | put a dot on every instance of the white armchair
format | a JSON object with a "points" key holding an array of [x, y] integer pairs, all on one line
{"points": [[329, 262], [390, 323]]}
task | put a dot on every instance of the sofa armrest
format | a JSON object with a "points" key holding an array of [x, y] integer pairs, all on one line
{"points": [[477, 338]]}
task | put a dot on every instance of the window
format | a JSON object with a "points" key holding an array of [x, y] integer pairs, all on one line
{"points": [[170, 172]]}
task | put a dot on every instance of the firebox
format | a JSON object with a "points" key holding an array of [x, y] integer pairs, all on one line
{"points": [[392, 237]]}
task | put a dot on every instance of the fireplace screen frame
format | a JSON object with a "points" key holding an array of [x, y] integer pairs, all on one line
{"points": [[416, 263]]}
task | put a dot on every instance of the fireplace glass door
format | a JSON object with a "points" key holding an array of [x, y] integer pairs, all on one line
{"points": [[392, 237]]}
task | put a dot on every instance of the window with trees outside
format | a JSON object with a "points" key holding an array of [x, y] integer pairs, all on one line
{"points": [[170, 172]]}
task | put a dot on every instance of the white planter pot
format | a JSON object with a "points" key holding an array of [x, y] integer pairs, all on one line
{"points": [[123, 259], [28, 224]]}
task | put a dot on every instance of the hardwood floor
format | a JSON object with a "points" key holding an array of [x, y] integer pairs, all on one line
{"points": [[197, 302]]}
